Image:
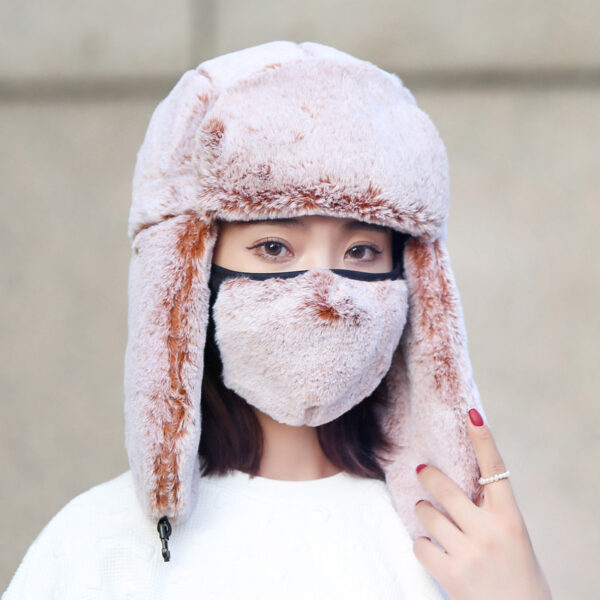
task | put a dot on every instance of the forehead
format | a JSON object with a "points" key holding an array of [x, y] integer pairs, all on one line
{"points": [[307, 221]]}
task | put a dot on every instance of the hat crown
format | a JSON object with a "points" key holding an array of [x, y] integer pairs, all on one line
{"points": [[284, 129]]}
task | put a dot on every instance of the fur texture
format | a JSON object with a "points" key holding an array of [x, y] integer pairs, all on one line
{"points": [[431, 384], [282, 130], [330, 342]]}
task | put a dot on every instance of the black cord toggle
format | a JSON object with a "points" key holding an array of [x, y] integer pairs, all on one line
{"points": [[164, 531]]}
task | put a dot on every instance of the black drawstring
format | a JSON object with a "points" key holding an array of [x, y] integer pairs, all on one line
{"points": [[164, 531]]}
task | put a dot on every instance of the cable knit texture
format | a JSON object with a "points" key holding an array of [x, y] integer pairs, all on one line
{"points": [[335, 537]]}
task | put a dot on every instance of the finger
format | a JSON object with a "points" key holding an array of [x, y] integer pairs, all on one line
{"points": [[430, 556], [450, 497], [445, 533], [490, 462]]}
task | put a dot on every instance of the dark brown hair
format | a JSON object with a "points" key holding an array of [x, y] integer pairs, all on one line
{"points": [[232, 437]]}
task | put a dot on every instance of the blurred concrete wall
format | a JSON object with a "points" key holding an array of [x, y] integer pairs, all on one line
{"points": [[514, 89]]}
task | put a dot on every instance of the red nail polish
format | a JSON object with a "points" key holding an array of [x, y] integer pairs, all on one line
{"points": [[475, 417], [420, 468], [417, 502]]}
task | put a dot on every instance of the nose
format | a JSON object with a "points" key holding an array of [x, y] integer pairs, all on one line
{"points": [[319, 258]]}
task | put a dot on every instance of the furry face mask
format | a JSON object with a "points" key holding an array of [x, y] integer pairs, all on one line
{"points": [[284, 130], [306, 349]]}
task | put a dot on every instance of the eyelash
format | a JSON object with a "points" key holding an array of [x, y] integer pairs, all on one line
{"points": [[276, 258]]}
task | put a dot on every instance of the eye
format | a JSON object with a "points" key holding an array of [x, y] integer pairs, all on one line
{"points": [[363, 252], [273, 248], [270, 249]]}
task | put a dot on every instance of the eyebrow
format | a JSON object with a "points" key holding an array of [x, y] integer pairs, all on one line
{"points": [[291, 222]]}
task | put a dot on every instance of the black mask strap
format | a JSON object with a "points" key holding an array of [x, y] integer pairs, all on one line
{"points": [[219, 274]]}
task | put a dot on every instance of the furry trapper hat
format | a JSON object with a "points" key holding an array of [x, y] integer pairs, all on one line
{"points": [[274, 131]]}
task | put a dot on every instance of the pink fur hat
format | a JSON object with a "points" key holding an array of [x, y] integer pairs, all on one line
{"points": [[273, 131]]}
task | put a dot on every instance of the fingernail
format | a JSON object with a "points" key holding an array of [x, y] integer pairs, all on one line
{"points": [[420, 468], [417, 502], [475, 417]]}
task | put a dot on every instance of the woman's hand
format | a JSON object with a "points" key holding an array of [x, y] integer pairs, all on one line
{"points": [[487, 553]]}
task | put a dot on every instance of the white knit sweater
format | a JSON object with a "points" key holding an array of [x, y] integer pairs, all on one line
{"points": [[335, 537]]}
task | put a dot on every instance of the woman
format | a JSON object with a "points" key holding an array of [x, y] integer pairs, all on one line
{"points": [[296, 374]]}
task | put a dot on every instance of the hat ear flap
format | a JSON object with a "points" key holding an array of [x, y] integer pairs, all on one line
{"points": [[430, 386], [168, 315]]}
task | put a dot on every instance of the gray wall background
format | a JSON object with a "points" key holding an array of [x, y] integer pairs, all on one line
{"points": [[514, 89]]}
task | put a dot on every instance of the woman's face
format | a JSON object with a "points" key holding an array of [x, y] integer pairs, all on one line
{"points": [[301, 243]]}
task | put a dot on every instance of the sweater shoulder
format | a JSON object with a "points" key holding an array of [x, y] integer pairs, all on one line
{"points": [[101, 504], [105, 496], [108, 503], [74, 535]]}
